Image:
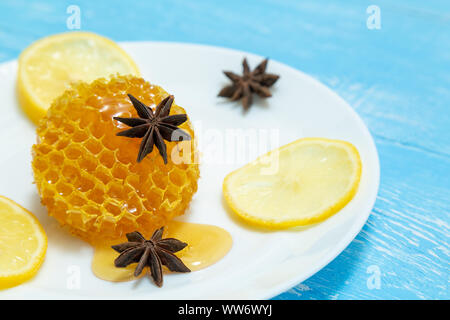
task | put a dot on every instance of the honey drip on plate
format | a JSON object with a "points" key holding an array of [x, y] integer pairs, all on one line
{"points": [[207, 244]]}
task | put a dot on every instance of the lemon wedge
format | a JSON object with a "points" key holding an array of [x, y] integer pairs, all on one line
{"points": [[301, 183], [23, 244], [51, 64]]}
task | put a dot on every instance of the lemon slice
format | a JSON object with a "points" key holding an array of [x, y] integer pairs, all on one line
{"points": [[301, 183], [23, 244], [48, 66]]}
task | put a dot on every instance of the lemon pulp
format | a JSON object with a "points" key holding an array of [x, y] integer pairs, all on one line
{"points": [[308, 181], [23, 244], [50, 65]]}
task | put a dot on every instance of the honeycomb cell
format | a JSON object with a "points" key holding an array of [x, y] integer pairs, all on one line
{"points": [[103, 174], [51, 176], [50, 137], [107, 158], [87, 162], [119, 171], [62, 144], [116, 191], [68, 128], [88, 118], [96, 130], [76, 219], [133, 205], [177, 177], [56, 158], [76, 200], [95, 100], [72, 152], [92, 211], [108, 142], [63, 188], [84, 183], [172, 197], [113, 208], [88, 177], [160, 180], [155, 195], [133, 181], [43, 149], [97, 195], [79, 136], [40, 164], [125, 157], [93, 146], [70, 172]]}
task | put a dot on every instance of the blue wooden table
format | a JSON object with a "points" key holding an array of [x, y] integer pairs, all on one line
{"points": [[389, 59]]}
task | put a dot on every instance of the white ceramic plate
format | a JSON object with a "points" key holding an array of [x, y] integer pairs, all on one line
{"points": [[261, 264]]}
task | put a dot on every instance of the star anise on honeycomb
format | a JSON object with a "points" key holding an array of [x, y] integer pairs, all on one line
{"points": [[154, 127], [256, 81], [153, 253]]}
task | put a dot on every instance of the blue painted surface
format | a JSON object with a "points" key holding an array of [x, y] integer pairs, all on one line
{"points": [[397, 78]]}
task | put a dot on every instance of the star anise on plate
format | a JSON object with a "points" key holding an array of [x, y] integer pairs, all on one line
{"points": [[153, 253], [154, 126], [256, 81]]}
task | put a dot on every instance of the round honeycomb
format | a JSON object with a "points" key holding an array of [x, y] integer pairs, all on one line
{"points": [[89, 179]]}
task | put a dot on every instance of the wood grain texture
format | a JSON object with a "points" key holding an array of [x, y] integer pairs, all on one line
{"points": [[397, 78]]}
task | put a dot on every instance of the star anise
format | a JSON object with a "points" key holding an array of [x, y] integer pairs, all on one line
{"points": [[154, 127], [256, 81], [152, 253]]}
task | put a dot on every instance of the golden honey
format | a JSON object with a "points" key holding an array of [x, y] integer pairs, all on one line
{"points": [[207, 244]]}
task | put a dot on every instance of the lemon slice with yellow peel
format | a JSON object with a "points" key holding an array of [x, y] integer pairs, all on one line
{"points": [[301, 183], [48, 66], [23, 244]]}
